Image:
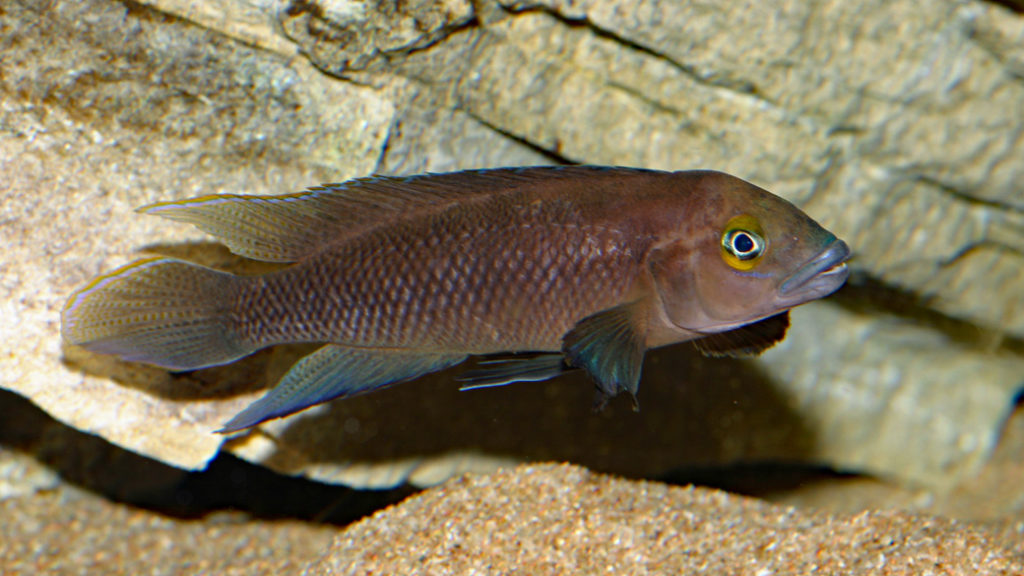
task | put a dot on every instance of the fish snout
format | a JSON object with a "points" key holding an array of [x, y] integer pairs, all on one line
{"points": [[820, 276]]}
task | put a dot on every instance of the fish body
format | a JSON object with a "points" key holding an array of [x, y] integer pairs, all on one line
{"points": [[588, 266], [512, 272]]}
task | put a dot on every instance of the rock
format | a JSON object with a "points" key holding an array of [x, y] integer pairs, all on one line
{"points": [[361, 35], [885, 388], [21, 475], [120, 90], [562, 519], [38, 453], [885, 120], [994, 497], [915, 160]]}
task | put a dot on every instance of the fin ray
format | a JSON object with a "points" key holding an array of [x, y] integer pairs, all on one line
{"points": [[289, 227], [609, 345], [269, 228], [337, 371], [492, 373], [161, 311]]}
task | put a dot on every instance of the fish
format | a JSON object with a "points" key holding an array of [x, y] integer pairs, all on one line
{"points": [[540, 270]]}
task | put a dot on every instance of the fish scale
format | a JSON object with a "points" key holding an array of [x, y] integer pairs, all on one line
{"points": [[392, 294]]}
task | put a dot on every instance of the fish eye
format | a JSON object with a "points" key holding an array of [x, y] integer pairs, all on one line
{"points": [[742, 242]]}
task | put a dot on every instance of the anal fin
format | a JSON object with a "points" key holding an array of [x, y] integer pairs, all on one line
{"points": [[336, 371]]}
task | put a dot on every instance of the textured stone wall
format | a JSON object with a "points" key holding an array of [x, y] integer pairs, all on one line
{"points": [[897, 124]]}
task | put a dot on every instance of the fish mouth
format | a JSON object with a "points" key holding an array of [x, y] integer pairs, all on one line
{"points": [[820, 276]]}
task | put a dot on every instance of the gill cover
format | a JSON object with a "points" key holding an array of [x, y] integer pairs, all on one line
{"points": [[672, 267], [709, 284]]}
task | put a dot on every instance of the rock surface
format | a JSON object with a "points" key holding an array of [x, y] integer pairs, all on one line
{"points": [[887, 121]]}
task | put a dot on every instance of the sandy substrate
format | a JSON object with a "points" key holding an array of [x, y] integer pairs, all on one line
{"points": [[70, 531], [540, 519], [543, 519], [564, 520]]}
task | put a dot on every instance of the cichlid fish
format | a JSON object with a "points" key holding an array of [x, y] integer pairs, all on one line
{"points": [[586, 266]]}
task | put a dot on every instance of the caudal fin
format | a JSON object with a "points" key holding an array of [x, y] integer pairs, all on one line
{"points": [[160, 311]]}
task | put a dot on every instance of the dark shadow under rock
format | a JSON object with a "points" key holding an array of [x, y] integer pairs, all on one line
{"points": [[693, 410], [228, 483]]}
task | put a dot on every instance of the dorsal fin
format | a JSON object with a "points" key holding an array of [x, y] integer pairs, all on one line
{"points": [[289, 227]]}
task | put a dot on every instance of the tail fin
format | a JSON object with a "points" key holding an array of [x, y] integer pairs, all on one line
{"points": [[160, 311]]}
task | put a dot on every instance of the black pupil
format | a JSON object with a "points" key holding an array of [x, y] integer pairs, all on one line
{"points": [[742, 243]]}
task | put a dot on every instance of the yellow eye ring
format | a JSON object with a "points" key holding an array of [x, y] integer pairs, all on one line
{"points": [[743, 242]]}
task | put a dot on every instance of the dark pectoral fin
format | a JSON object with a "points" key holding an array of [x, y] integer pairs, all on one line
{"points": [[749, 340], [610, 346], [336, 372], [504, 371]]}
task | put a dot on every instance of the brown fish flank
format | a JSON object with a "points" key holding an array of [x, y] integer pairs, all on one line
{"points": [[402, 276], [489, 277]]}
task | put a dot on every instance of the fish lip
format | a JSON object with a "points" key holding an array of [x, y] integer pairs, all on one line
{"points": [[821, 275]]}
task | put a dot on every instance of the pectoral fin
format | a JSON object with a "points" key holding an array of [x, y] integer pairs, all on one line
{"points": [[610, 346], [493, 373], [337, 372], [749, 340]]}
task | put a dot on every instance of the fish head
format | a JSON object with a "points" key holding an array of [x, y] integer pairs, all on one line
{"points": [[741, 254]]}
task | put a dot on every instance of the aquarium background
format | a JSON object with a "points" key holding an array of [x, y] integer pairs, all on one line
{"points": [[896, 124]]}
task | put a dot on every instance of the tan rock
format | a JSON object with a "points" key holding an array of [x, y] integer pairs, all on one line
{"points": [[890, 396], [886, 120], [360, 35], [21, 474], [129, 109]]}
